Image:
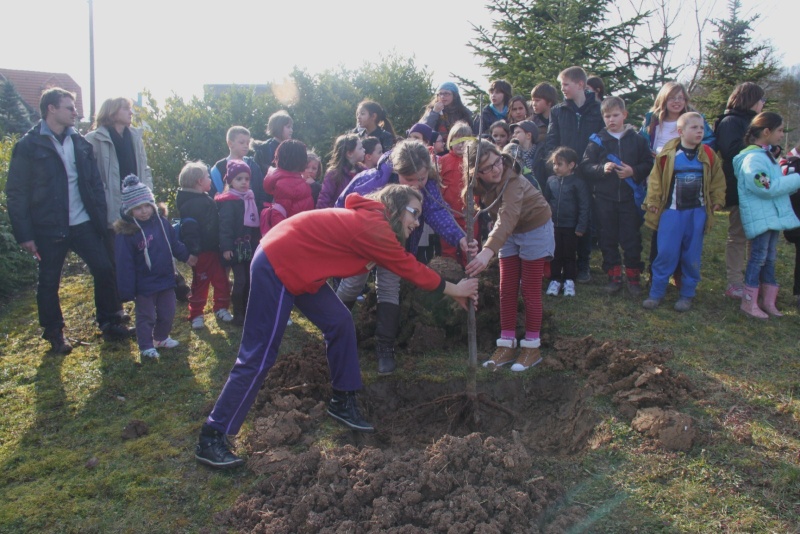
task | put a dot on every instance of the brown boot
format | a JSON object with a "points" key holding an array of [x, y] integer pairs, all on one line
{"points": [[529, 355], [505, 353]]}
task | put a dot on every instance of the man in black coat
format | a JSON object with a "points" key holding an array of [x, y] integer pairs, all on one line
{"points": [[56, 203]]}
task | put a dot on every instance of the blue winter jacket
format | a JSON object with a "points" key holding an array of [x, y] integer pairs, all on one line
{"points": [[764, 192], [434, 209], [134, 277]]}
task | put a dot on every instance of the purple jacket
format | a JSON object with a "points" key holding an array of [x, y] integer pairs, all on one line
{"points": [[330, 191], [434, 209], [134, 277]]}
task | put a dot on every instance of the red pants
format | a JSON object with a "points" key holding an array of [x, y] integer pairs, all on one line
{"points": [[208, 271]]}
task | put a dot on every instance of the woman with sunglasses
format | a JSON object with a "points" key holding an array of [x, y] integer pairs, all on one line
{"points": [[522, 236], [408, 163], [290, 268]]}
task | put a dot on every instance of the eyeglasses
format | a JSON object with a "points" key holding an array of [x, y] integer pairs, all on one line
{"points": [[764, 100], [414, 212], [676, 99], [497, 164]]}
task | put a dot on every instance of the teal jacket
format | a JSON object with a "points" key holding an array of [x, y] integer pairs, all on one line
{"points": [[764, 192]]}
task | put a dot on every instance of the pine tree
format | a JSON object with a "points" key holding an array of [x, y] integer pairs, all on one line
{"points": [[732, 59], [14, 117], [532, 41]]}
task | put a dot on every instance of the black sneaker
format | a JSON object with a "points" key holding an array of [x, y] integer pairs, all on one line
{"points": [[344, 408], [584, 276], [116, 332], [214, 449]]}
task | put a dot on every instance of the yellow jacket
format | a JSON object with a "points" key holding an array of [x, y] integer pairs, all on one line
{"points": [[659, 184]]}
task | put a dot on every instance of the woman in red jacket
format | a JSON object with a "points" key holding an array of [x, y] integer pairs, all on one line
{"points": [[290, 268]]}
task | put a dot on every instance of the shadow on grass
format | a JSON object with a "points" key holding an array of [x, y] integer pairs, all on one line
{"points": [[71, 470]]}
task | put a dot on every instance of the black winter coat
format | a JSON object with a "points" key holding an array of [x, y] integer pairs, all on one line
{"points": [[37, 189], [571, 126], [202, 235], [387, 139], [729, 130], [569, 201], [631, 148], [234, 235]]}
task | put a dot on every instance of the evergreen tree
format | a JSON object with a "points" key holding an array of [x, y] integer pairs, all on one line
{"points": [[531, 41], [14, 117], [732, 59]]}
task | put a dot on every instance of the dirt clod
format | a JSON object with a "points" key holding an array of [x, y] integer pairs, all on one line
{"points": [[674, 430], [135, 429]]}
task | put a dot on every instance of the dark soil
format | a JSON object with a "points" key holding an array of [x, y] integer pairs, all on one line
{"points": [[428, 470]]}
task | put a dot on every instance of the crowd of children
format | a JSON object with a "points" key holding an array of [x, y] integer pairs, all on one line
{"points": [[549, 178]]}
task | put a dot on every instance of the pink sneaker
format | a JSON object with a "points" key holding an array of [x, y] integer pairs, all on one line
{"points": [[734, 292]]}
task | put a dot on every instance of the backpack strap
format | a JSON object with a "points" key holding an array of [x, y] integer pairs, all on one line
{"points": [[709, 153]]}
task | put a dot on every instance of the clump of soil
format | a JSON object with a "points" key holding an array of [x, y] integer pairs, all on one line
{"points": [[424, 471], [135, 429]]}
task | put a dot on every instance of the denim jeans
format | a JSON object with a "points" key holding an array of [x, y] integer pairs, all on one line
{"points": [[84, 240], [761, 265]]}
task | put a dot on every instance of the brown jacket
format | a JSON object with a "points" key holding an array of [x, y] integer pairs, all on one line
{"points": [[521, 209]]}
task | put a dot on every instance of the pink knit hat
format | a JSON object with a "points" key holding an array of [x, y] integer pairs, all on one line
{"points": [[235, 168]]}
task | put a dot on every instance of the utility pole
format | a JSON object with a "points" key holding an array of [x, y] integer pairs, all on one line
{"points": [[91, 62]]}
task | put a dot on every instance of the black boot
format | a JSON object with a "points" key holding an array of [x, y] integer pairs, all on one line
{"points": [[388, 319], [116, 331], [214, 449], [58, 343], [239, 308], [344, 408]]}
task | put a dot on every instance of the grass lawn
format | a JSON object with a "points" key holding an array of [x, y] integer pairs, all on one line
{"points": [[65, 467]]}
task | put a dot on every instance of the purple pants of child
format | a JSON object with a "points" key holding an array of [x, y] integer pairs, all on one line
{"points": [[154, 316], [264, 324]]}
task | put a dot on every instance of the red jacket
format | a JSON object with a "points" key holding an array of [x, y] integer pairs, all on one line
{"points": [[450, 169], [290, 190], [315, 245]]}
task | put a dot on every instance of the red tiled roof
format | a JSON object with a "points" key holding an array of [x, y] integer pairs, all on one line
{"points": [[30, 85]]}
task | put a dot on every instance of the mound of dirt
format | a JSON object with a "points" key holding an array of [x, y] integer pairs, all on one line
{"points": [[457, 484], [427, 468]]}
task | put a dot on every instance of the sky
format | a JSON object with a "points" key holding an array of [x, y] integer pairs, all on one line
{"points": [[174, 46]]}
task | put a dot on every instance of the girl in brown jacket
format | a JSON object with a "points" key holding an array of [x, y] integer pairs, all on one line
{"points": [[522, 237]]}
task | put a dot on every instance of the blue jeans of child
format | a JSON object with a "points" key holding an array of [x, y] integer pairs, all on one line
{"points": [[761, 265]]}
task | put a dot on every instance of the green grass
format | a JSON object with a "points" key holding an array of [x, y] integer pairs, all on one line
{"points": [[60, 412]]}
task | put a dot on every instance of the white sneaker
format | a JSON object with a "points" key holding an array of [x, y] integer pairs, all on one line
{"points": [[168, 343], [198, 323], [554, 288], [224, 315], [569, 288], [150, 353]]}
